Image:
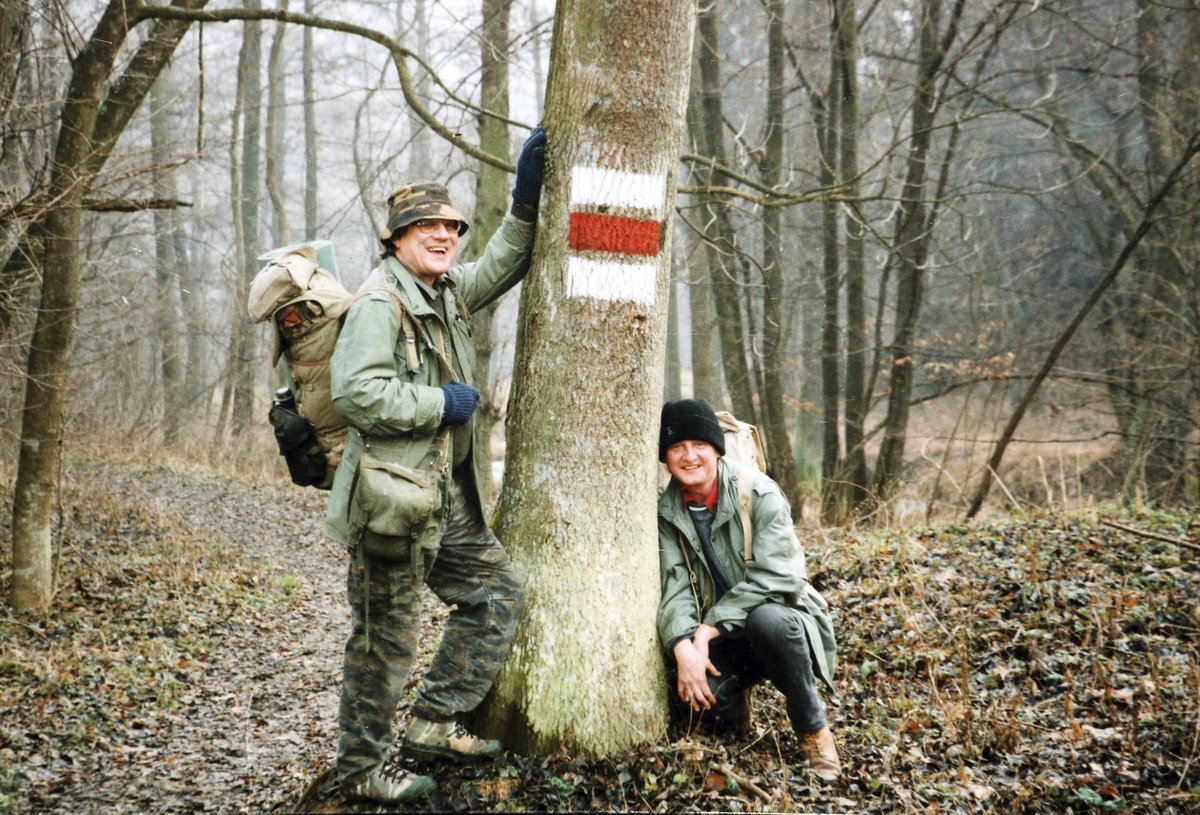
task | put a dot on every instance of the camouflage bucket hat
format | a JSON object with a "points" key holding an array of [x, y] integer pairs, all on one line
{"points": [[423, 199]]}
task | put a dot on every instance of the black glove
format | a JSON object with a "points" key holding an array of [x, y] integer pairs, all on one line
{"points": [[460, 403], [531, 163]]}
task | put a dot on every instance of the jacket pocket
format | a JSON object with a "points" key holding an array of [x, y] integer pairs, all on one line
{"points": [[399, 504]]}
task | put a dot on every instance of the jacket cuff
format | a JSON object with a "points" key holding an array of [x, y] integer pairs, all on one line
{"points": [[524, 212]]}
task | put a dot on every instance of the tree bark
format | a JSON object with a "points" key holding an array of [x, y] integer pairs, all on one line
{"points": [[578, 506], [776, 419], [276, 125], [912, 238], [167, 263], [42, 413], [705, 358], [825, 112], [720, 242], [845, 54], [311, 215], [250, 78], [491, 200]]}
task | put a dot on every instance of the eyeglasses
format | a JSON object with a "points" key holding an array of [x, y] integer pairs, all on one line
{"points": [[427, 226]]}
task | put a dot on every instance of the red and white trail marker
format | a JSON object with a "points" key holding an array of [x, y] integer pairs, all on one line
{"points": [[615, 233]]}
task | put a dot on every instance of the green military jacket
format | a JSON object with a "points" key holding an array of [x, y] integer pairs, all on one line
{"points": [[776, 574], [396, 411]]}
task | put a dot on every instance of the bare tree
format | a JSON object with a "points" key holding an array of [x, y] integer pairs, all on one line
{"points": [[84, 141], [776, 420]]}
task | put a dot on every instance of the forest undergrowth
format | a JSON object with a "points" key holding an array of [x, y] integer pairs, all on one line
{"points": [[190, 663]]}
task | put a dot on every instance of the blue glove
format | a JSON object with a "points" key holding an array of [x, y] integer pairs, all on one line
{"points": [[460, 403], [531, 164]]}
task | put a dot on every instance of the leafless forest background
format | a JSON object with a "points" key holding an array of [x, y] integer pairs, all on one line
{"points": [[884, 231], [944, 254]]}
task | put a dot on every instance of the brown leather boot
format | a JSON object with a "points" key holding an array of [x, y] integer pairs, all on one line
{"points": [[822, 754]]}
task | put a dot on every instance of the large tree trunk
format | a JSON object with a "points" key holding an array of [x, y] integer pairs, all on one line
{"points": [[578, 507], [1162, 325], [826, 116]]}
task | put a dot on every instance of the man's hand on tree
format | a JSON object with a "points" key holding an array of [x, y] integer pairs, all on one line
{"points": [[527, 190]]}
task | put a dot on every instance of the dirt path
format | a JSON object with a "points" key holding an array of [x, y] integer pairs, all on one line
{"points": [[245, 716]]}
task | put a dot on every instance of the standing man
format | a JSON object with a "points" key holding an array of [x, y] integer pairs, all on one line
{"points": [[731, 616], [405, 499]]}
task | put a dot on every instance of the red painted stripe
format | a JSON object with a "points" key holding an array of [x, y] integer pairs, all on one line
{"points": [[593, 232]]}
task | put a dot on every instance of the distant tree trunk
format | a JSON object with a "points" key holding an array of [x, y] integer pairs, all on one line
{"points": [[420, 161], [672, 379], [491, 198], [85, 138], [845, 85], [42, 414], [1157, 441], [827, 121], [15, 21], [167, 262], [705, 360], [250, 78], [585, 675], [911, 248], [276, 127], [311, 216], [720, 243], [776, 419]]}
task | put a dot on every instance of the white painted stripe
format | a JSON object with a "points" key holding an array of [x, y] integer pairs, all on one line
{"points": [[611, 280], [597, 186]]}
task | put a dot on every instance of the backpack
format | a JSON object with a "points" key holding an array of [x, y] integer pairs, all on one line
{"points": [[744, 446], [306, 305]]}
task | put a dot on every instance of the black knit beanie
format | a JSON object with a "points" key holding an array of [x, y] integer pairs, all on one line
{"points": [[689, 419]]}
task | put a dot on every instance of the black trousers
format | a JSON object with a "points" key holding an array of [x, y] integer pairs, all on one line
{"points": [[773, 645]]}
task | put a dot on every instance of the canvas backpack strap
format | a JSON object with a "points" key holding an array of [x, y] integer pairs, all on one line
{"points": [[409, 327], [692, 579], [745, 489]]}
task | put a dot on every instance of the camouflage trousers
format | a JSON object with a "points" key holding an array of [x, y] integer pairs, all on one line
{"points": [[470, 572]]}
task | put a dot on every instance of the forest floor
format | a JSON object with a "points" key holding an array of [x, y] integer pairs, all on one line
{"points": [[192, 657]]}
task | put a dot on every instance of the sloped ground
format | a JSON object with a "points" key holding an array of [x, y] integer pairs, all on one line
{"points": [[192, 660]]}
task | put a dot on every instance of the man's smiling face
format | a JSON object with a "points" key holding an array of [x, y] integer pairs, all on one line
{"points": [[428, 255]]}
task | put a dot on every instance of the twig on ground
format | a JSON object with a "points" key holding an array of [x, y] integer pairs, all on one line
{"points": [[744, 782], [1195, 547]]}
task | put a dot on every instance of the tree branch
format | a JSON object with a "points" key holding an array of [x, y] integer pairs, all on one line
{"points": [[1195, 547], [400, 57]]}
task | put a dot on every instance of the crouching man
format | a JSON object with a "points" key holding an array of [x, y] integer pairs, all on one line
{"points": [[730, 615]]}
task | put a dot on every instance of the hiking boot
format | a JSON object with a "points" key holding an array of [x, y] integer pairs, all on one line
{"points": [[822, 754], [392, 784], [447, 740]]}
